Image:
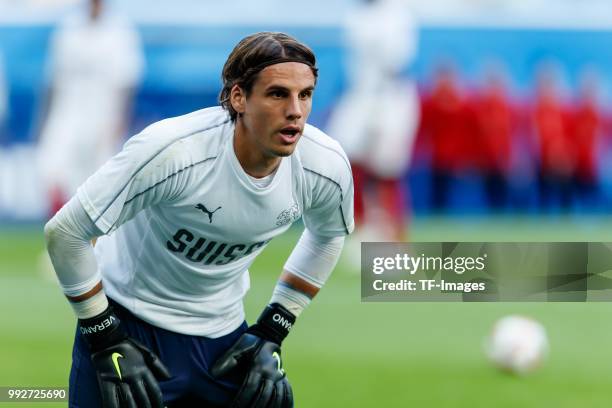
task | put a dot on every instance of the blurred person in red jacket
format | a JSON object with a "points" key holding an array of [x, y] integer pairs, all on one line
{"points": [[556, 153], [585, 129], [447, 127], [495, 126]]}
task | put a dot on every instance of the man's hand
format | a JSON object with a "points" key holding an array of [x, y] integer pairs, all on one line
{"points": [[126, 369], [257, 353], [266, 384]]}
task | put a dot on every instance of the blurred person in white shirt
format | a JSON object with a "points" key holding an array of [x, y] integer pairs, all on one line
{"points": [[95, 64], [376, 119]]}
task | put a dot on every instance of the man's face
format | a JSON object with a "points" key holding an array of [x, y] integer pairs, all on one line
{"points": [[275, 112], [95, 9]]}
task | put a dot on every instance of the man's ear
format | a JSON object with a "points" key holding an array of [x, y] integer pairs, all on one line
{"points": [[238, 99]]}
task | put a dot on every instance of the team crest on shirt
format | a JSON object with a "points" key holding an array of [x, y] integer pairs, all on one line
{"points": [[289, 215]]}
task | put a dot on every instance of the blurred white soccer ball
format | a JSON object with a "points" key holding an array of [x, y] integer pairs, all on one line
{"points": [[517, 344]]}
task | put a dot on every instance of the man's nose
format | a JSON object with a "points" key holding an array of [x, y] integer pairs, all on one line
{"points": [[294, 108]]}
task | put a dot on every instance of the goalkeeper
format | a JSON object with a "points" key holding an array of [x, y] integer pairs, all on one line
{"points": [[179, 216]]}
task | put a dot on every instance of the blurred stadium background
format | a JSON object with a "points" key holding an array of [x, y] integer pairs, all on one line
{"points": [[343, 351]]}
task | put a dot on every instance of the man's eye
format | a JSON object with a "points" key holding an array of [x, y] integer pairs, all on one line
{"points": [[277, 94], [306, 94]]}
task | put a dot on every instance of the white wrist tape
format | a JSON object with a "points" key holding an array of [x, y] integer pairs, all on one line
{"points": [[91, 307]]}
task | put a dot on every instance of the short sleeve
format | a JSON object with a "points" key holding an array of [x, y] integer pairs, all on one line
{"points": [[331, 211], [143, 174]]}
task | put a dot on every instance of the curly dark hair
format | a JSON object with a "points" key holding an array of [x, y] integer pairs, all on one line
{"points": [[254, 53]]}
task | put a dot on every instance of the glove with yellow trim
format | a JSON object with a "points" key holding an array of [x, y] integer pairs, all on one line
{"points": [[126, 369], [257, 352]]}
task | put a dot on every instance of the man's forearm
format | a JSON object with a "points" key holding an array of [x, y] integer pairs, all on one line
{"points": [[68, 235], [293, 281], [306, 271]]}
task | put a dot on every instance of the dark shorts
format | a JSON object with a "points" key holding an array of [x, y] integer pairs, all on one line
{"points": [[188, 358]]}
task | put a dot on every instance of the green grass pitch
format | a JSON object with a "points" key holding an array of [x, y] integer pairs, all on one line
{"points": [[344, 353]]}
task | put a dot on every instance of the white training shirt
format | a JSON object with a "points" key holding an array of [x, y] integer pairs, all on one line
{"points": [[185, 221]]}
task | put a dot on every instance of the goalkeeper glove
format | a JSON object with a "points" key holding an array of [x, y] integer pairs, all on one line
{"points": [[257, 352], [126, 369]]}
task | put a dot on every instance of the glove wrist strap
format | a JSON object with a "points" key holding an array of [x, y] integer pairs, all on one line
{"points": [[102, 330], [273, 324]]}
